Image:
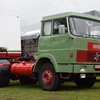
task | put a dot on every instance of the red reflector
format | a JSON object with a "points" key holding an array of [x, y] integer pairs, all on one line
{"points": [[81, 56], [71, 54]]}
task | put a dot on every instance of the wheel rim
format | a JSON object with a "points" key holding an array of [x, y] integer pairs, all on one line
{"points": [[47, 78]]}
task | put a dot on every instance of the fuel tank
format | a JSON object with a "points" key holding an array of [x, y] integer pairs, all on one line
{"points": [[22, 68]]}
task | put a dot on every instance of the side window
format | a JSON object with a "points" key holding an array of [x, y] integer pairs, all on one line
{"points": [[60, 26], [47, 28]]}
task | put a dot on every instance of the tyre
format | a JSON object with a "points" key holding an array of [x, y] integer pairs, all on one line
{"points": [[4, 73], [27, 80], [48, 79], [4, 80], [13, 77], [87, 82], [4, 77]]}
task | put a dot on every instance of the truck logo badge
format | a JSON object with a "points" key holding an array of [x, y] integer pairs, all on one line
{"points": [[97, 55]]}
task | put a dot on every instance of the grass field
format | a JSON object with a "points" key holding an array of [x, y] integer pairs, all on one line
{"points": [[68, 91]]}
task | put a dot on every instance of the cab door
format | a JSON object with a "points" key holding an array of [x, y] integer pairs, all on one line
{"points": [[60, 41]]}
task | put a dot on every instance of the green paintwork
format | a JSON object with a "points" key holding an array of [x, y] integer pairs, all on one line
{"points": [[67, 14], [57, 48]]}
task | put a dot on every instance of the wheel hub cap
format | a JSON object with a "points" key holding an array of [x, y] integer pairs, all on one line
{"points": [[47, 77]]}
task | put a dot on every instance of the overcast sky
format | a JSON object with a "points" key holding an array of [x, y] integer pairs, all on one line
{"points": [[32, 11]]}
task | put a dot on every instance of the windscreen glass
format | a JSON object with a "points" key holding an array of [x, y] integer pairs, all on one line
{"points": [[84, 27]]}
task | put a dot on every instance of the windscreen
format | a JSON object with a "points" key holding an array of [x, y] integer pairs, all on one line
{"points": [[84, 27]]}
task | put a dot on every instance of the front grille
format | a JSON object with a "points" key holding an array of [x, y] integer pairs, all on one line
{"points": [[88, 56], [93, 56]]}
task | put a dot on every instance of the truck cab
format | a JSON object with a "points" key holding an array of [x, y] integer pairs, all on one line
{"points": [[69, 49]]}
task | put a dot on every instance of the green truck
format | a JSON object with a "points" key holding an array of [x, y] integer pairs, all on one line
{"points": [[69, 50]]}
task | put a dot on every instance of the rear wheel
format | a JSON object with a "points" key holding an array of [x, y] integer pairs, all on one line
{"points": [[48, 78], [4, 76], [87, 82], [27, 80], [13, 77], [4, 80], [4, 72]]}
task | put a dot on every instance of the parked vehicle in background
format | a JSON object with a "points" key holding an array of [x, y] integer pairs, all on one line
{"points": [[29, 42]]}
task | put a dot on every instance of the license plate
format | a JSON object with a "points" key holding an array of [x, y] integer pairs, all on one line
{"points": [[97, 66]]}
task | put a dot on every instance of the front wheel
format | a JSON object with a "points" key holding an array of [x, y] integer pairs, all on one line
{"points": [[87, 82], [48, 79]]}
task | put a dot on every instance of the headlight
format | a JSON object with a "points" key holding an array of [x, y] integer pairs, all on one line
{"points": [[83, 69], [82, 75]]}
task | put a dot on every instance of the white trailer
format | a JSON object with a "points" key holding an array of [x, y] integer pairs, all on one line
{"points": [[10, 33]]}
